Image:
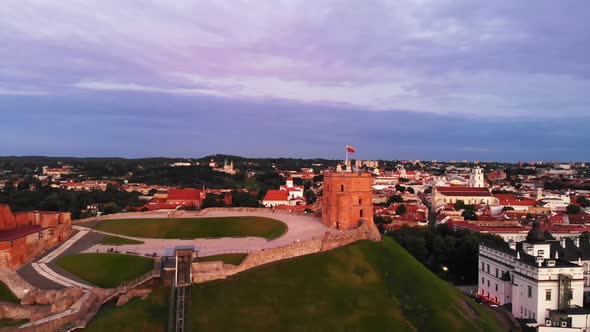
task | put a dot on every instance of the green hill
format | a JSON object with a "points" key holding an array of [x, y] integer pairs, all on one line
{"points": [[365, 286]]}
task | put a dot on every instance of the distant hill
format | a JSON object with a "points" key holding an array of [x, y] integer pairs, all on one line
{"points": [[365, 286]]}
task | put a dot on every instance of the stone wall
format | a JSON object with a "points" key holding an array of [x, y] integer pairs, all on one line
{"points": [[367, 231], [19, 286]]}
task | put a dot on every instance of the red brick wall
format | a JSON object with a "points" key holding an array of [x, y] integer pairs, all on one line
{"points": [[347, 199], [57, 226], [6, 218]]}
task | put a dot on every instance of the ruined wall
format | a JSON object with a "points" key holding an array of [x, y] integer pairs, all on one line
{"points": [[15, 282], [367, 231], [6, 217]]}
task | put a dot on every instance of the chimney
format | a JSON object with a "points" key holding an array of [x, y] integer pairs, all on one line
{"points": [[539, 260], [556, 254], [518, 255], [577, 242], [512, 245], [562, 242]]}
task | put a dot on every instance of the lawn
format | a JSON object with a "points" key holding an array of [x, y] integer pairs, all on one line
{"points": [[193, 228], [149, 315], [115, 240], [106, 270], [6, 295], [234, 259]]}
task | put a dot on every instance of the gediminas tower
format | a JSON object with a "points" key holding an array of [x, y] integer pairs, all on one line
{"points": [[347, 199]]}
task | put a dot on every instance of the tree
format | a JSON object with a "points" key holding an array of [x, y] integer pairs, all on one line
{"points": [[400, 209], [411, 190], [111, 208], [310, 197], [400, 188], [583, 201], [469, 214], [507, 208], [395, 199], [573, 209], [460, 205]]}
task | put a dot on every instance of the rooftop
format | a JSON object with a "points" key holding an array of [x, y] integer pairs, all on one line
{"points": [[19, 232]]}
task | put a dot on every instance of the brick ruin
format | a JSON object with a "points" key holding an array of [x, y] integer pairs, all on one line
{"points": [[24, 235]]}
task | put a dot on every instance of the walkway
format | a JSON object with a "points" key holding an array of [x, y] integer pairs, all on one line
{"points": [[300, 228], [44, 273]]}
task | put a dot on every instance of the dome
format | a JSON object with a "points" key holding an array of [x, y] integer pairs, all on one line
{"points": [[536, 234]]}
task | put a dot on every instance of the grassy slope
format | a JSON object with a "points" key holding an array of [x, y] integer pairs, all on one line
{"points": [[362, 287], [109, 239], [6, 295], [234, 259], [5, 322], [106, 270], [150, 315], [193, 228]]}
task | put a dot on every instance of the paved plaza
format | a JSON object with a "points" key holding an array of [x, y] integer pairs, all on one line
{"points": [[44, 273], [299, 228]]}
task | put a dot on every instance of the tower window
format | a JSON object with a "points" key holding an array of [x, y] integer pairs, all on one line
{"points": [[360, 201], [361, 213], [341, 187]]}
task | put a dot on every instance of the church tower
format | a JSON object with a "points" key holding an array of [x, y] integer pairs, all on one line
{"points": [[347, 199], [476, 178]]}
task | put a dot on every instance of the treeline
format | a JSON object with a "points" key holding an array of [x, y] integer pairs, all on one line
{"points": [[186, 176], [47, 198], [442, 247]]}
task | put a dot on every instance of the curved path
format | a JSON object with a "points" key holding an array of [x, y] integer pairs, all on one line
{"points": [[299, 228]]}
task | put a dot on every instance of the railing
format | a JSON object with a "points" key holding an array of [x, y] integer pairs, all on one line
{"points": [[227, 251], [172, 306]]}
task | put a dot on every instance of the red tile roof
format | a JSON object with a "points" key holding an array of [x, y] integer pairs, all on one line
{"points": [[184, 194], [512, 200], [463, 191], [276, 195]]}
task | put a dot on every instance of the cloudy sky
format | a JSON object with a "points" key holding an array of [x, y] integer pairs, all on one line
{"points": [[493, 80]]}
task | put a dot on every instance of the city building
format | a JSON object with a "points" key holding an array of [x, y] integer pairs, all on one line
{"points": [[24, 235], [186, 197], [276, 197], [227, 168], [545, 280], [476, 178], [441, 196], [293, 190]]}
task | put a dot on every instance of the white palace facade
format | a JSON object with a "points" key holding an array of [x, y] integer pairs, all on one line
{"points": [[544, 280]]}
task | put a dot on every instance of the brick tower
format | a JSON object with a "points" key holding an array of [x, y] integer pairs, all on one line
{"points": [[347, 199]]}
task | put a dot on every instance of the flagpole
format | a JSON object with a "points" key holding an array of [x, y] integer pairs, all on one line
{"points": [[346, 161]]}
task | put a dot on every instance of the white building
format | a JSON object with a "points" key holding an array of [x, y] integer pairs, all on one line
{"points": [[293, 190], [476, 178], [544, 279]]}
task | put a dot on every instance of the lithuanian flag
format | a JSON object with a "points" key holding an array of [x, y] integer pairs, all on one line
{"points": [[350, 149]]}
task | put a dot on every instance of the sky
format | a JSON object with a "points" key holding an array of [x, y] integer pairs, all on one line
{"points": [[426, 79]]}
